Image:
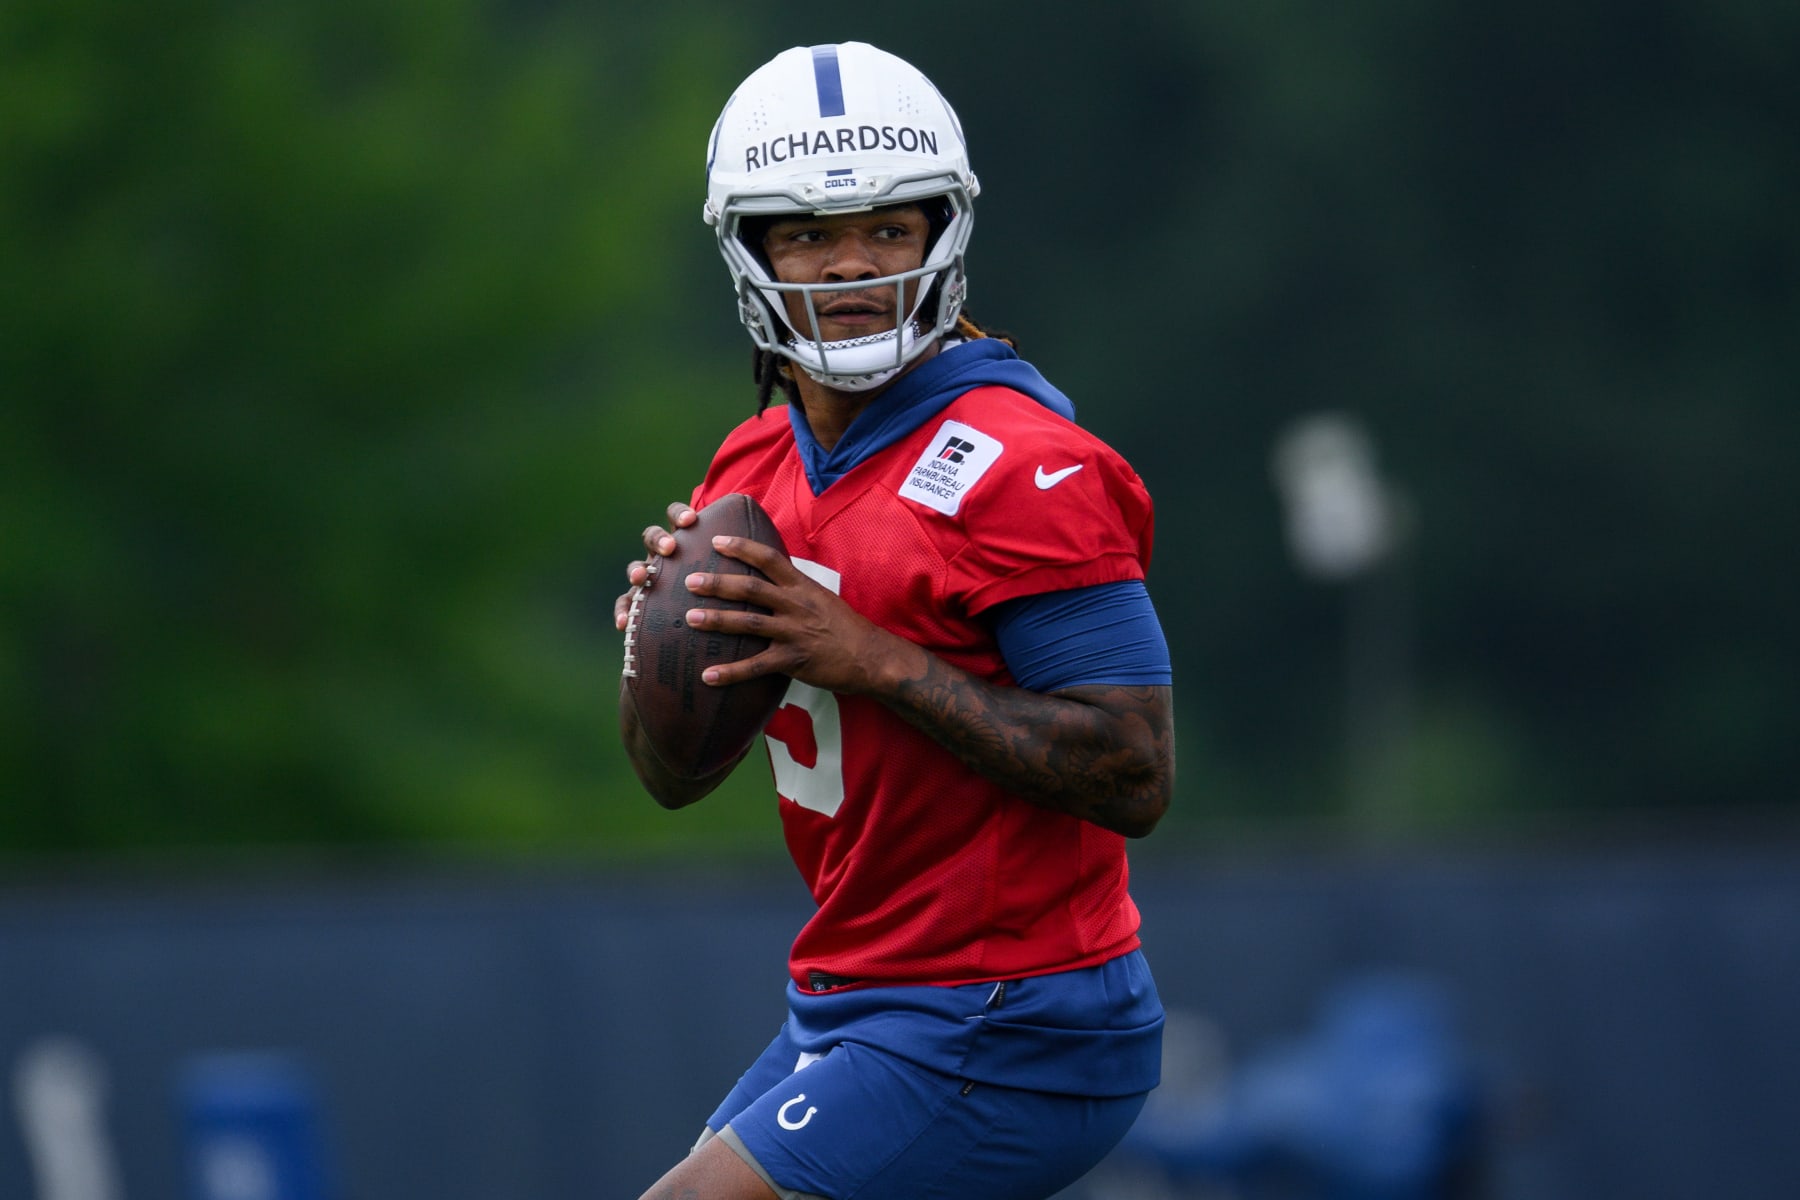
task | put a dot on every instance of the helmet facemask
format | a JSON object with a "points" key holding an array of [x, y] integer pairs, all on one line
{"points": [[936, 287]]}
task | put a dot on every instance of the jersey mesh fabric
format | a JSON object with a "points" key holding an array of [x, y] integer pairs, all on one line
{"points": [[924, 872]]}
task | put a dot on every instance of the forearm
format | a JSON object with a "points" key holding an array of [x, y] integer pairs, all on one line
{"points": [[1103, 753]]}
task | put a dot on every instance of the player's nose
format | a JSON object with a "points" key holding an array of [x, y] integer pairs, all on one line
{"points": [[852, 257]]}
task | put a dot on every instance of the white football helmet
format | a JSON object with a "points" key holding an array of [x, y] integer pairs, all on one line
{"points": [[833, 129]]}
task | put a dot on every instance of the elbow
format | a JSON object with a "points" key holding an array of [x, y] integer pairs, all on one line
{"points": [[1130, 803], [1150, 803], [1140, 828], [1142, 818], [1130, 811], [1132, 796]]}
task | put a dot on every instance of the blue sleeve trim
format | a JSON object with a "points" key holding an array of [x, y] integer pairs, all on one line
{"points": [[1106, 634]]}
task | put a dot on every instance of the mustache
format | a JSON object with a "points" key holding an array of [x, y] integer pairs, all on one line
{"points": [[870, 300]]}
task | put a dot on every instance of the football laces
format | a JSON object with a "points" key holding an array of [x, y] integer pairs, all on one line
{"points": [[632, 619]]}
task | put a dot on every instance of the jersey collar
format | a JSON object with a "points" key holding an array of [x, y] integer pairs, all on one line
{"points": [[914, 399]]}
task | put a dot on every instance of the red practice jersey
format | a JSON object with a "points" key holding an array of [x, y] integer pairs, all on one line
{"points": [[923, 871]]}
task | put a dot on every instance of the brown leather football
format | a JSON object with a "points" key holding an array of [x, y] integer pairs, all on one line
{"points": [[696, 728]]}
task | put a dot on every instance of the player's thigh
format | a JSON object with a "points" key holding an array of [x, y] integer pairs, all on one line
{"points": [[860, 1122], [711, 1171]]}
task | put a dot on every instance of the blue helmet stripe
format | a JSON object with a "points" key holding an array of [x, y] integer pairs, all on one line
{"points": [[830, 82]]}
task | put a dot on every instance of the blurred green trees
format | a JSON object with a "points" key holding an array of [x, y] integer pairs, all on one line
{"points": [[330, 411], [344, 351]]}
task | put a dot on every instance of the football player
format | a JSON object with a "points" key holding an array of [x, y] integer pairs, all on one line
{"points": [[980, 713]]}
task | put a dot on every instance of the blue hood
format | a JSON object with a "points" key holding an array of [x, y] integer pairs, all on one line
{"points": [[916, 397]]}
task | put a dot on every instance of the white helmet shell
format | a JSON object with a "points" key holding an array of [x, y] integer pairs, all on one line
{"points": [[834, 129]]}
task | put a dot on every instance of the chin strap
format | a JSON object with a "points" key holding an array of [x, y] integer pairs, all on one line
{"points": [[857, 364]]}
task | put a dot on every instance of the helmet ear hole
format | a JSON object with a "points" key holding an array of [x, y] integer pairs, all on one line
{"points": [[752, 230], [938, 214]]}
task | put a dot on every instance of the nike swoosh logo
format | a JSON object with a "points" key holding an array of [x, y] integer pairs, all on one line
{"points": [[1049, 479]]}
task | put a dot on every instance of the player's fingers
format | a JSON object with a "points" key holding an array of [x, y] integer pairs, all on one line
{"points": [[734, 621], [734, 587], [767, 559], [640, 575], [658, 540], [681, 514], [725, 674]]}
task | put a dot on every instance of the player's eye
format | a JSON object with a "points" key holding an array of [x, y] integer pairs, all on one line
{"points": [[793, 234]]}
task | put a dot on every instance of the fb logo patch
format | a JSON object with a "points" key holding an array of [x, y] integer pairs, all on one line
{"points": [[953, 449], [954, 459]]}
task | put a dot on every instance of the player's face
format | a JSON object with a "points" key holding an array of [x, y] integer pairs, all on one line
{"points": [[844, 248]]}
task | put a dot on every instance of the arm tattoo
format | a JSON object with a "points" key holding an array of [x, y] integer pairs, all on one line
{"points": [[1104, 753]]}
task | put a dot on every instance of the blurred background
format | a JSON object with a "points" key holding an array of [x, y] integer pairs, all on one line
{"points": [[346, 349]]}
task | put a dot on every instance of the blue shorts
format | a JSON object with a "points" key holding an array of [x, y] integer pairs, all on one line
{"points": [[860, 1123]]}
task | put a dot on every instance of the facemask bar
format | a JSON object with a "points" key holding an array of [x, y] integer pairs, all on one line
{"points": [[852, 364], [761, 303], [862, 362]]}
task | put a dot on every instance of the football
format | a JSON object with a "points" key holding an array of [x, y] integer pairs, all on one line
{"points": [[693, 727]]}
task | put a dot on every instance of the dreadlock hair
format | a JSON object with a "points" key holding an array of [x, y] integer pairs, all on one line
{"points": [[772, 371]]}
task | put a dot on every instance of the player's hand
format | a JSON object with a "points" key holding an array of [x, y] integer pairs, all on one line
{"points": [[813, 634], [658, 543]]}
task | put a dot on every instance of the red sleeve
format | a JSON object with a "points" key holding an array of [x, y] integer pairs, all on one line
{"points": [[1060, 509], [746, 456]]}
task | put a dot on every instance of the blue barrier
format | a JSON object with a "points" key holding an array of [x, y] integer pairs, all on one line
{"points": [[1377, 1102], [252, 1129]]}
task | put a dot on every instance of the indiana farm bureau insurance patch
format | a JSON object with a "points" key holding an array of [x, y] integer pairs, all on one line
{"points": [[952, 462]]}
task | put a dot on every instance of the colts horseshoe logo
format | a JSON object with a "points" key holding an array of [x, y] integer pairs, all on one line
{"points": [[782, 1115]]}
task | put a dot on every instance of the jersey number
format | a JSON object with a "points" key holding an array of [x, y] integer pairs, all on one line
{"points": [[805, 736]]}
